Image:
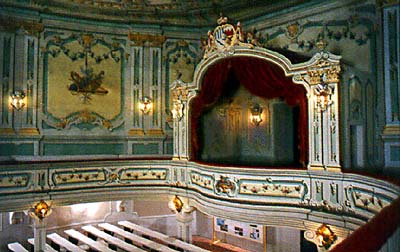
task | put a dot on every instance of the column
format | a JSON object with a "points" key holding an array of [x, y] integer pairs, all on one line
{"points": [[39, 234], [184, 220], [39, 214], [323, 112], [390, 134], [180, 109]]}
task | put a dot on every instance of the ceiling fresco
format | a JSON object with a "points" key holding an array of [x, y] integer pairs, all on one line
{"points": [[195, 13]]}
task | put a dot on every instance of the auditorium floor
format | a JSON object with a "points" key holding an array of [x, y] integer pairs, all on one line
{"points": [[219, 247]]}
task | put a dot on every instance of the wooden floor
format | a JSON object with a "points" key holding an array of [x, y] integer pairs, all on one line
{"points": [[219, 247]]}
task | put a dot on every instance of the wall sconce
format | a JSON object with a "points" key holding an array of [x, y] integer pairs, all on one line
{"points": [[325, 236], [176, 204], [17, 100], [41, 210], [145, 105], [255, 116], [323, 92]]}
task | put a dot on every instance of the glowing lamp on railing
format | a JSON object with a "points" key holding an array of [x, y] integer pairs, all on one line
{"points": [[17, 100], [145, 105], [176, 204], [256, 114], [41, 210], [325, 236]]}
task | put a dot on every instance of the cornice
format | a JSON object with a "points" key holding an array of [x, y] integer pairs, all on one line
{"points": [[183, 14]]}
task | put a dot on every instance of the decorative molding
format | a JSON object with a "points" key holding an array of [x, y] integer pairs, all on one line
{"points": [[134, 174], [366, 199], [136, 132], [28, 131], [33, 28], [83, 118], [329, 30], [105, 176], [214, 188], [393, 130], [279, 188], [75, 176], [56, 45], [204, 181], [387, 3], [11, 180], [327, 206], [154, 132], [7, 131]]}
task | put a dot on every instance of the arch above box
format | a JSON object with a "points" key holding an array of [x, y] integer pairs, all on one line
{"points": [[227, 48]]}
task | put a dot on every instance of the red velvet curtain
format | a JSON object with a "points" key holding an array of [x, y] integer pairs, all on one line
{"points": [[373, 235], [211, 91], [260, 78]]}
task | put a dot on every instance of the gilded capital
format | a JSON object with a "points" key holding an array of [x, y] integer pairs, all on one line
{"points": [[145, 39], [12, 25]]}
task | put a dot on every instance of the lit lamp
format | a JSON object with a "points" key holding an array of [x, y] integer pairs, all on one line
{"points": [[145, 105], [176, 204], [17, 100], [41, 210], [325, 236], [255, 116]]}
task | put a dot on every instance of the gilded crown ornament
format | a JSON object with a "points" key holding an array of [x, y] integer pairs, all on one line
{"points": [[224, 37]]}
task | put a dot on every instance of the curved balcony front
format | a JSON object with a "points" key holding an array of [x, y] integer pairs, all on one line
{"points": [[275, 197]]}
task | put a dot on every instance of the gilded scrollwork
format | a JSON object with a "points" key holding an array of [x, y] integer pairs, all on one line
{"points": [[82, 118], [323, 71]]}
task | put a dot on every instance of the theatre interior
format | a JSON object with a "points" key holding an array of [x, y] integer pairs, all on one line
{"points": [[194, 125]]}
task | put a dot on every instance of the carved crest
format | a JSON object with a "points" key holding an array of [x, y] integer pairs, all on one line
{"points": [[224, 37]]}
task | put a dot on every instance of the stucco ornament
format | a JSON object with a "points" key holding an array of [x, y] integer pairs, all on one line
{"points": [[225, 185], [224, 37], [179, 93]]}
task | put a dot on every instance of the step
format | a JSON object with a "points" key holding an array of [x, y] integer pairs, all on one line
{"points": [[111, 239], [136, 239], [86, 240], [62, 242], [16, 247], [48, 247], [162, 237]]}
